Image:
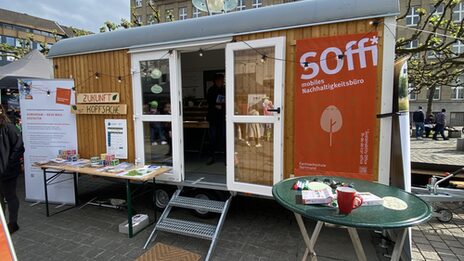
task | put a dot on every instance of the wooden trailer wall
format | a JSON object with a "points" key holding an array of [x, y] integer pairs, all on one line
{"points": [[111, 64], [291, 36]]}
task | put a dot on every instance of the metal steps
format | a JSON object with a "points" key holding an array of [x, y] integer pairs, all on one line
{"points": [[190, 228], [187, 228], [199, 204]]}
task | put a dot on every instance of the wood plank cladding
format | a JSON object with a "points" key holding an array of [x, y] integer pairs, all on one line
{"points": [[354, 27], [109, 66]]}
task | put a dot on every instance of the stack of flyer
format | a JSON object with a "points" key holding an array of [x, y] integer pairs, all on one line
{"points": [[321, 196], [370, 199]]}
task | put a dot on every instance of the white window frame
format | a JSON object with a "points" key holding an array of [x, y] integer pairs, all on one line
{"points": [[437, 92], [277, 119], [413, 14], [138, 3], [412, 96], [176, 175], [458, 47], [438, 11], [257, 3], [195, 12], [183, 13], [459, 11], [457, 90], [167, 16], [241, 5]]}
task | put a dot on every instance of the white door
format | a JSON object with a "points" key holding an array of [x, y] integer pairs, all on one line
{"points": [[254, 114], [156, 89]]}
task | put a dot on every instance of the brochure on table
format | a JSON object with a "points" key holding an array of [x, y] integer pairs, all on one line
{"points": [[48, 126]]}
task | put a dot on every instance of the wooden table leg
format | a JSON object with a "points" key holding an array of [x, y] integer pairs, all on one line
{"points": [[399, 244], [357, 244], [309, 242]]}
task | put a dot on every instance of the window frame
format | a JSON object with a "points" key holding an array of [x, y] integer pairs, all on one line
{"points": [[412, 15]]}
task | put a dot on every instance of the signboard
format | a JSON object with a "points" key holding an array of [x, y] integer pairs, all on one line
{"points": [[48, 126], [116, 138], [107, 97], [335, 113], [114, 109], [7, 252]]}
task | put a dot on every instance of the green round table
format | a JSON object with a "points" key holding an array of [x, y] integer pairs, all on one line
{"points": [[415, 211]]}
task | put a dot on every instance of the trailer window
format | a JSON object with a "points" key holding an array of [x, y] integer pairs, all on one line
{"points": [[154, 76]]}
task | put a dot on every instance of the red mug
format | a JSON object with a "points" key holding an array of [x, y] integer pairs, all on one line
{"points": [[347, 200]]}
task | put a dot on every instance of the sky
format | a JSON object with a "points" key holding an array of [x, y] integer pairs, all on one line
{"points": [[83, 14]]}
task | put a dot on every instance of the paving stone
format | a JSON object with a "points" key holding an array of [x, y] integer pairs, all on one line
{"points": [[440, 245], [430, 255], [417, 256]]}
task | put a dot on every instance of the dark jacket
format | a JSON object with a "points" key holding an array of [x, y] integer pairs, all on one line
{"points": [[418, 116], [11, 151], [216, 96]]}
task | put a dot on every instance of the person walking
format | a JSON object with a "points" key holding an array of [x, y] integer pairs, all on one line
{"points": [[11, 151], [440, 125], [419, 117]]}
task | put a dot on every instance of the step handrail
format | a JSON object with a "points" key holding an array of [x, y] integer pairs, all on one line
{"points": [[219, 227]]}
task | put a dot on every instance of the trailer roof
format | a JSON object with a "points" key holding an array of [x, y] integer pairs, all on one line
{"points": [[277, 17]]}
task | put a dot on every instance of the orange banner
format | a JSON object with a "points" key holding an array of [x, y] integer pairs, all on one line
{"points": [[6, 247], [335, 112]]}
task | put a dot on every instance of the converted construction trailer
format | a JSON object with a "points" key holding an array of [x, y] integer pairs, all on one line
{"points": [[162, 62]]}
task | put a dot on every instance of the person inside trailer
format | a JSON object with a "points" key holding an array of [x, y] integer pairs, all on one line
{"points": [[216, 116]]}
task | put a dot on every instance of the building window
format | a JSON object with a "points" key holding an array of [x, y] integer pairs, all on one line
{"points": [[195, 12], [139, 19], [436, 94], [457, 93], [151, 19], [151, 2], [458, 12], [412, 93], [458, 47], [412, 18], [10, 41], [169, 15], [257, 3], [413, 44], [241, 5], [182, 13], [138, 3], [437, 11]]}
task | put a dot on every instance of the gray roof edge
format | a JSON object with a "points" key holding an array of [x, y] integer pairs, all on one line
{"points": [[277, 17]]}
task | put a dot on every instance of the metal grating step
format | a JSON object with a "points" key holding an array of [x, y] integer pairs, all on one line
{"points": [[187, 228], [199, 204]]}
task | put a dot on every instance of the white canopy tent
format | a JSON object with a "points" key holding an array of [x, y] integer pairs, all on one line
{"points": [[32, 65]]}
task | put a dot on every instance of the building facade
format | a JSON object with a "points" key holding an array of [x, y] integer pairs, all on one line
{"points": [[18, 27], [450, 98], [171, 10]]}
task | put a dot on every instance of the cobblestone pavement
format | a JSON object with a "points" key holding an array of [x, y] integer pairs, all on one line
{"points": [[435, 240], [436, 152], [255, 229]]}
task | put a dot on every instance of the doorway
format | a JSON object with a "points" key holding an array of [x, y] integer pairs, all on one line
{"points": [[204, 156]]}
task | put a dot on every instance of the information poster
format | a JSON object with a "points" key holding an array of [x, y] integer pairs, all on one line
{"points": [[116, 138], [335, 114], [48, 126]]}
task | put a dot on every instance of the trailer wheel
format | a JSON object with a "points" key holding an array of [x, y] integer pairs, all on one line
{"points": [[205, 194], [162, 197], [445, 215]]}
